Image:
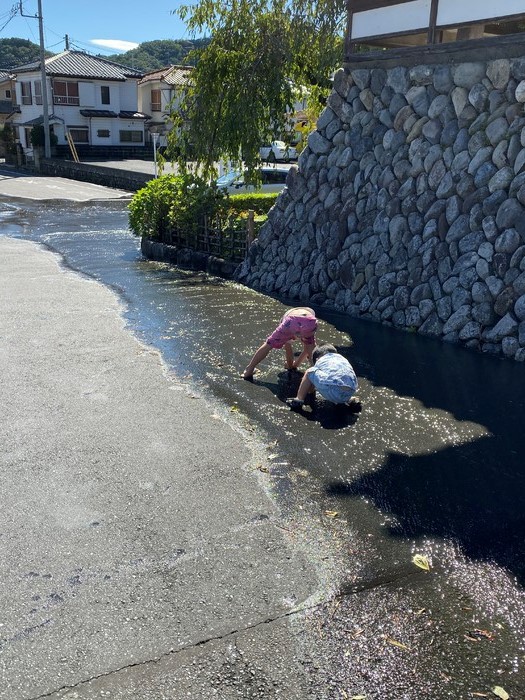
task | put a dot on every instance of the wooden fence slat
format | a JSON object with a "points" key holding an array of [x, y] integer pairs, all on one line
{"points": [[226, 241]]}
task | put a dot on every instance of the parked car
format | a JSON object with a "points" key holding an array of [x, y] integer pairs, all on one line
{"points": [[272, 180], [277, 150]]}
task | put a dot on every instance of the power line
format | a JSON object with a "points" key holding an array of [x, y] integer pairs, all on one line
{"points": [[10, 15], [79, 44], [52, 46]]}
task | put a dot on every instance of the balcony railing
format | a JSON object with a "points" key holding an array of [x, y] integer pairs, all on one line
{"points": [[63, 100]]}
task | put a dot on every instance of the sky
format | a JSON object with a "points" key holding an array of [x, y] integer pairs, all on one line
{"points": [[95, 26]]}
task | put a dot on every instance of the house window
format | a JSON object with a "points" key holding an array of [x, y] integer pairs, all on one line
{"points": [[129, 136], [65, 93], [155, 101], [103, 133], [8, 94], [26, 93], [38, 92], [79, 134], [104, 94]]}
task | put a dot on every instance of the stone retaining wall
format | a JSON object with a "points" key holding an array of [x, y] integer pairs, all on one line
{"points": [[408, 204], [97, 174], [187, 258]]}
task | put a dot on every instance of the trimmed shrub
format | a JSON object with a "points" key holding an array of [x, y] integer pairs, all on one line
{"points": [[261, 203], [8, 136], [170, 201], [38, 137], [182, 202]]}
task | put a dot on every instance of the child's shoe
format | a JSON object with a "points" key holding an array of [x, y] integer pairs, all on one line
{"points": [[310, 398], [355, 405], [295, 404]]}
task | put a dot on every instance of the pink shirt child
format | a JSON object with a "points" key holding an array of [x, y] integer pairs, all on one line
{"points": [[294, 327], [299, 323]]}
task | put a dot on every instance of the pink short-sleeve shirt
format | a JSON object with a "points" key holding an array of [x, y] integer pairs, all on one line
{"points": [[291, 328]]}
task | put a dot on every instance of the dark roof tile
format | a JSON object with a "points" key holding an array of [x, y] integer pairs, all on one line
{"points": [[172, 75], [124, 114], [98, 113], [77, 64]]}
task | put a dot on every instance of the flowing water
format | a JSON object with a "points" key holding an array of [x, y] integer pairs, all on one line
{"points": [[434, 464]]}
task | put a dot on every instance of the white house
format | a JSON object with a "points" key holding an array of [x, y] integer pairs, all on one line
{"points": [[160, 93], [93, 99], [7, 96]]}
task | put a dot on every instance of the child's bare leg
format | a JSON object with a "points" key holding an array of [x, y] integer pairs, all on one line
{"points": [[259, 355], [288, 349], [309, 351], [305, 387], [305, 354], [302, 357]]}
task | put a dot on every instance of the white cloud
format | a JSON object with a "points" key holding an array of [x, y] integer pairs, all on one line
{"points": [[115, 44]]}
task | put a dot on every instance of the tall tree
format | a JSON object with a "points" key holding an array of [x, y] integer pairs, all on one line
{"points": [[243, 83], [151, 55], [16, 52]]}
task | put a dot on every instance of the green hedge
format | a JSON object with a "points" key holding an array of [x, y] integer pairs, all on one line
{"points": [[261, 203], [172, 200], [184, 200]]}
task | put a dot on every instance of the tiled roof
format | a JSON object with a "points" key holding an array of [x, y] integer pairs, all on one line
{"points": [[172, 75], [98, 113], [77, 64], [40, 120], [123, 114], [4, 75]]}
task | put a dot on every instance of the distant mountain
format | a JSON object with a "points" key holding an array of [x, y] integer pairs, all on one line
{"points": [[147, 56], [156, 54], [16, 52]]}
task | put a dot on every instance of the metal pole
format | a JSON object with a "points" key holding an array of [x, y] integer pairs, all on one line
{"points": [[155, 136], [47, 136], [39, 17]]}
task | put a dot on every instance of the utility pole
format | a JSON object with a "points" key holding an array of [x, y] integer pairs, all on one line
{"points": [[43, 78]]}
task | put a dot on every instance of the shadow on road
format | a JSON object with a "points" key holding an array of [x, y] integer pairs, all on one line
{"points": [[328, 415], [471, 493]]}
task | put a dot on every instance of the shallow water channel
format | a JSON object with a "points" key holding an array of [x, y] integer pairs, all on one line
{"points": [[434, 465]]}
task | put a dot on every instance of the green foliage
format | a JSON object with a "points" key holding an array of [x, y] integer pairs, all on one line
{"points": [[260, 203], [182, 201], [38, 136], [8, 136], [172, 201], [243, 83], [315, 103], [16, 52], [152, 55], [149, 55]]}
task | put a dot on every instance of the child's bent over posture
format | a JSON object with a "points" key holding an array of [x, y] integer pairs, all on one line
{"points": [[299, 323], [333, 377]]}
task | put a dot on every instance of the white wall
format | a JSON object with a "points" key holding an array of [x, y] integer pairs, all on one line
{"points": [[86, 93], [411, 16], [96, 125], [123, 96], [461, 11], [128, 95], [405, 17]]}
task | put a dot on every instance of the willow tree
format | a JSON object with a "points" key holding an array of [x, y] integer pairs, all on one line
{"points": [[245, 78]]}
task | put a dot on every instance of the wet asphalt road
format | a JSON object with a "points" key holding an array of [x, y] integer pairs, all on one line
{"points": [[434, 465]]}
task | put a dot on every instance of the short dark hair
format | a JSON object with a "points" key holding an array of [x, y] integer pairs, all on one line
{"points": [[321, 350]]}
